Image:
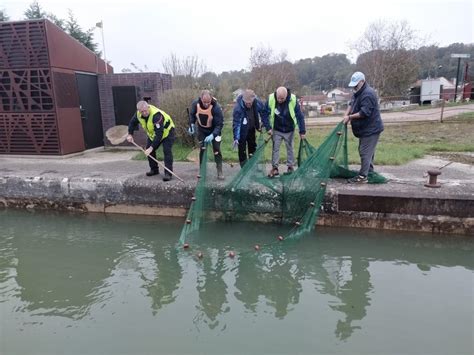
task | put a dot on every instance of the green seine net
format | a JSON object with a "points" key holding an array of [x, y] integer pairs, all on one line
{"points": [[293, 199]]}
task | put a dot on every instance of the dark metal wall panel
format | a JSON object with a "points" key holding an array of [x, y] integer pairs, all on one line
{"points": [[67, 53], [26, 90], [29, 133], [23, 45]]}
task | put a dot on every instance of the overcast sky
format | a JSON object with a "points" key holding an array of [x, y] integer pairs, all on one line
{"points": [[221, 32]]}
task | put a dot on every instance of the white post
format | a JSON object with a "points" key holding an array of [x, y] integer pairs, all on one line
{"points": [[101, 26]]}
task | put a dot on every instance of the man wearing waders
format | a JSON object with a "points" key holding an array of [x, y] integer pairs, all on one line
{"points": [[207, 115]]}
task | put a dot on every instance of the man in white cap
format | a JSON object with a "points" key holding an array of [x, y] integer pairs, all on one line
{"points": [[364, 114]]}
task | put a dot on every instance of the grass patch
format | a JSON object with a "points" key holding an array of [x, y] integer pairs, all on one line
{"points": [[398, 144]]}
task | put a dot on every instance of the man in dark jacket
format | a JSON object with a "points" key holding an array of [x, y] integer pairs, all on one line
{"points": [[207, 114], [159, 128], [246, 121], [364, 115], [284, 114]]}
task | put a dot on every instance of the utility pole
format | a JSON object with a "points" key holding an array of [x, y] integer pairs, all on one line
{"points": [[459, 56]]}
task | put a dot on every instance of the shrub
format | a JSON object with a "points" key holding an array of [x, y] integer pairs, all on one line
{"points": [[175, 102]]}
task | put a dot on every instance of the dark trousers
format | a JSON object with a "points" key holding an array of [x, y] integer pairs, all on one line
{"points": [[249, 143], [216, 147], [167, 144]]}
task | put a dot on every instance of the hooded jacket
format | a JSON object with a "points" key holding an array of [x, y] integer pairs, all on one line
{"points": [[240, 121]]}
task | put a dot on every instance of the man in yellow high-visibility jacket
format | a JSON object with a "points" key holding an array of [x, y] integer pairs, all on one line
{"points": [[159, 128]]}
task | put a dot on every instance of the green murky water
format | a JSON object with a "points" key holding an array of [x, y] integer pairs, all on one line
{"points": [[94, 284]]}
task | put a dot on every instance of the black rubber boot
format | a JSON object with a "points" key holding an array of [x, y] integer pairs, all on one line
{"points": [[220, 174], [153, 172]]}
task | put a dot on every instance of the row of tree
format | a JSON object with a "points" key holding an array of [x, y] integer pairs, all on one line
{"points": [[390, 65], [391, 54], [70, 25]]}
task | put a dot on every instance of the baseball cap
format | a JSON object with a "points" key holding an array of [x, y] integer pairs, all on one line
{"points": [[355, 78]]}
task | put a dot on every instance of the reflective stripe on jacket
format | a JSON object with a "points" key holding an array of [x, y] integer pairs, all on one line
{"points": [[149, 127]]}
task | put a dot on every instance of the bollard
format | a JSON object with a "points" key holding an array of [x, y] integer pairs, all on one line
{"points": [[433, 177]]}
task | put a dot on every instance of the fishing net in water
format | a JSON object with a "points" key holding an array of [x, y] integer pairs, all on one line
{"points": [[293, 199]]}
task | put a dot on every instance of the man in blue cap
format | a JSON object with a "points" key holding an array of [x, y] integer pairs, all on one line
{"points": [[364, 114]]}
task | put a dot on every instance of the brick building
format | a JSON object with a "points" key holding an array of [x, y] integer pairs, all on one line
{"points": [[55, 98]]}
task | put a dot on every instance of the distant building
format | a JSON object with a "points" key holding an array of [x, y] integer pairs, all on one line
{"points": [[427, 90], [338, 92], [338, 95], [313, 101]]}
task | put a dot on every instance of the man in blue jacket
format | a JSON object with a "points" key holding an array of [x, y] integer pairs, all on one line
{"points": [[364, 115], [207, 114], [246, 122], [284, 114]]}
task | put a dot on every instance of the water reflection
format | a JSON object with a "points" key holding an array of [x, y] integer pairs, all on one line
{"points": [[165, 275], [52, 264], [275, 277], [354, 298], [211, 288], [61, 264]]}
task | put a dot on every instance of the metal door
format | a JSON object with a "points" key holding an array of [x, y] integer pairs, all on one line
{"points": [[125, 100], [90, 110]]}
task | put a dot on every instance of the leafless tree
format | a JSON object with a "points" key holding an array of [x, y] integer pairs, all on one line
{"points": [[386, 56], [185, 71], [268, 71]]}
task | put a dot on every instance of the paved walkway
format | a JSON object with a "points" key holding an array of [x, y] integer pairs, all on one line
{"points": [[431, 114], [456, 178]]}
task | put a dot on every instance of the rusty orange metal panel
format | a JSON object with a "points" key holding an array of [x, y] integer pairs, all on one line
{"points": [[29, 133], [23, 45], [66, 52], [70, 130]]}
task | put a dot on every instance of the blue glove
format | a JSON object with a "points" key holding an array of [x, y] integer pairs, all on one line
{"points": [[209, 138], [191, 129]]}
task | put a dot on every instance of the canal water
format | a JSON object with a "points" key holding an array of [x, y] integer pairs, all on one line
{"points": [[114, 284]]}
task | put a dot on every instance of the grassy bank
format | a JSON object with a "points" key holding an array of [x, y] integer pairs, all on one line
{"points": [[398, 144]]}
